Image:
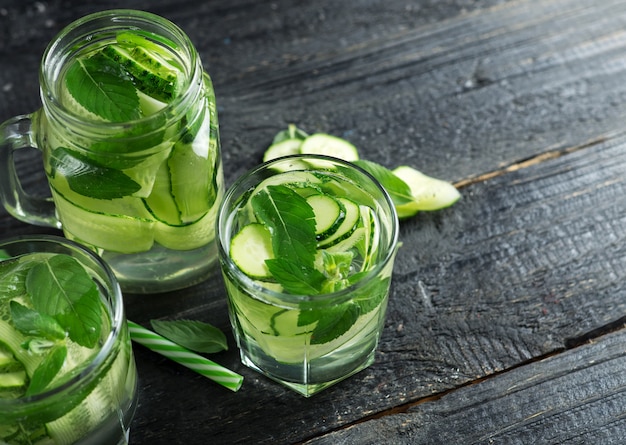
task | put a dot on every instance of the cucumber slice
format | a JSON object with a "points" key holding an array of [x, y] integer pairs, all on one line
{"points": [[326, 144], [295, 179], [160, 203], [249, 249], [152, 74], [12, 380], [428, 193], [187, 236], [347, 226], [116, 233], [193, 179], [283, 148], [329, 214]]}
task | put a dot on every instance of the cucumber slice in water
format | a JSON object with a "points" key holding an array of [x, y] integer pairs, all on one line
{"points": [[347, 226], [115, 233], [428, 193], [329, 214], [249, 249], [152, 75]]}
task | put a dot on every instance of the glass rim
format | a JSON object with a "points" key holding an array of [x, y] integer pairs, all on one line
{"points": [[79, 32], [249, 283], [117, 320]]}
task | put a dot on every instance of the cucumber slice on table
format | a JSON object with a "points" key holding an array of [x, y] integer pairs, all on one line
{"points": [[326, 144], [283, 148], [249, 249], [428, 193]]}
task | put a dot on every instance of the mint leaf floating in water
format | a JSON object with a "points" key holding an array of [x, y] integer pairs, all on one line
{"points": [[47, 370], [291, 222], [88, 178], [194, 335], [34, 323], [61, 288], [103, 88]]}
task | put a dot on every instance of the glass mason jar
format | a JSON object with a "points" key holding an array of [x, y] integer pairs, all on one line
{"points": [[307, 303], [93, 397], [129, 136]]}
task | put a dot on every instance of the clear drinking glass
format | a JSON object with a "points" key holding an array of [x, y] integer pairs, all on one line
{"points": [[129, 136], [93, 398], [307, 320]]}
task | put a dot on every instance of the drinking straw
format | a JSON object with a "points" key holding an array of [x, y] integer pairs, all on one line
{"points": [[185, 357]]}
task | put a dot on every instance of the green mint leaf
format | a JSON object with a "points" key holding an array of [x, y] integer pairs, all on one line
{"points": [[83, 320], [292, 132], [47, 370], [372, 294], [30, 322], [399, 191], [291, 222], [61, 288], [337, 264], [89, 178], [102, 87], [332, 321], [194, 335], [296, 278]]}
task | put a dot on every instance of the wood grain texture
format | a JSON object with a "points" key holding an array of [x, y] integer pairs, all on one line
{"points": [[573, 398], [521, 102]]}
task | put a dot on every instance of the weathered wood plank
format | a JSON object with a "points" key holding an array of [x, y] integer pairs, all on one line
{"points": [[526, 265], [578, 397]]}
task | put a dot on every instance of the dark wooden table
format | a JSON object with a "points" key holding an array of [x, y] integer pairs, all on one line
{"points": [[507, 312]]}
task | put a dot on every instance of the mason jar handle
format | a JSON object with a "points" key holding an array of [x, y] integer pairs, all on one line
{"points": [[17, 133]]}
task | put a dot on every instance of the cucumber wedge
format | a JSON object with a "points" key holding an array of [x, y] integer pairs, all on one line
{"points": [[250, 248], [428, 193]]}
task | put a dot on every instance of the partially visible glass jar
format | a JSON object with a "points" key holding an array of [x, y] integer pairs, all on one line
{"points": [[93, 397], [130, 141]]}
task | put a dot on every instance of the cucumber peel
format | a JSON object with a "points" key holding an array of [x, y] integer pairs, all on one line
{"points": [[428, 193]]}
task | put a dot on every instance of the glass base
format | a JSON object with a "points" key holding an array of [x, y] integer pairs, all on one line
{"points": [[304, 381], [161, 269]]}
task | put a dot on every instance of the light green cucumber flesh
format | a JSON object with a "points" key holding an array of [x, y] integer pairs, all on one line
{"points": [[249, 249], [329, 214], [347, 226], [328, 145]]}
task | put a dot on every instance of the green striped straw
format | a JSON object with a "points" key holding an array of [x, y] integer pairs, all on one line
{"points": [[185, 357]]}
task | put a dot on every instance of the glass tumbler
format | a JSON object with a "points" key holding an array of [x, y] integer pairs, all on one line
{"points": [[92, 398], [306, 246]]}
